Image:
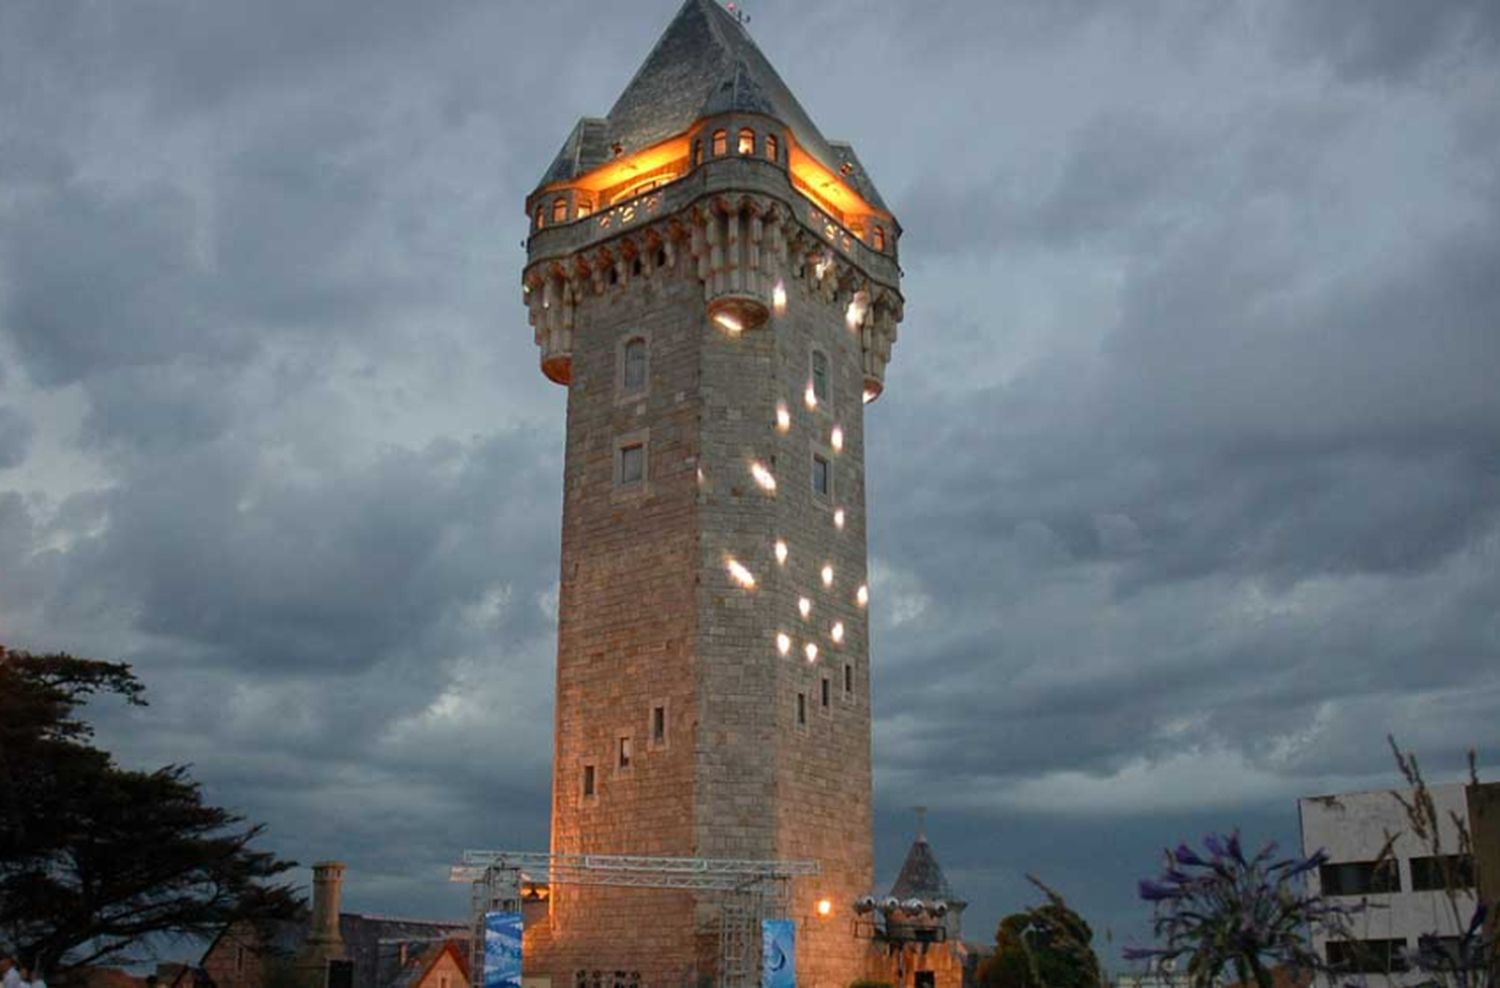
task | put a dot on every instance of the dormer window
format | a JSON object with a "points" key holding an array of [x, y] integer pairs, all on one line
{"points": [[721, 143], [773, 147], [559, 211], [747, 141], [880, 239]]}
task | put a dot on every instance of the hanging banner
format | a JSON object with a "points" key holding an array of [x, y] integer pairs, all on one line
{"points": [[778, 946], [502, 950]]}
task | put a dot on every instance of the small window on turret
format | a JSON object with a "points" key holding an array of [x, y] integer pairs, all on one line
{"points": [[585, 207], [773, 147], [721, 143], [697, 152], [540, 217], [747, 141], [559, 210], [880, 239]]}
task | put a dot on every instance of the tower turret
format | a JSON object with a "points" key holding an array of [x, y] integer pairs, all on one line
{"points": [[717, 287]]}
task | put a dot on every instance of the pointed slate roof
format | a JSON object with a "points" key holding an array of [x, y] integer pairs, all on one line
{"points": [[922, 877], [705, 63]]}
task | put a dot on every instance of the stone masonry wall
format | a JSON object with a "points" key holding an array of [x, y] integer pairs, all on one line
{"points": [[625, 639]]}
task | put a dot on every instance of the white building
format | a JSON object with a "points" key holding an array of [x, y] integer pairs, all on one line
{"points": [[1405, 888]]}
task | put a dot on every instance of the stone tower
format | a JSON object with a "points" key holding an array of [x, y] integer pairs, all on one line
{"points": [[716, 284]]}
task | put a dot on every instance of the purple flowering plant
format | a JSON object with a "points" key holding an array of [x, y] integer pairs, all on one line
{"points": [[1225, 912]]}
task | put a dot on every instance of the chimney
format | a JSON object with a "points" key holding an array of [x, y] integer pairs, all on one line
{"points": [[324, 942], [328, 884]]}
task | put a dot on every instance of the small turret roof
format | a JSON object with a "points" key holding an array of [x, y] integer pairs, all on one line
{"points": [[922, 877], [705, 63]]}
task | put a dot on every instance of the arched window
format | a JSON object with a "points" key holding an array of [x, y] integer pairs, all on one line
{"points": [[698, 152], [585, 207], [721, 143], [540, 217], [773, 147], [633, 372], [559, 210], [747, 141], [820, 375], [880, 239]]}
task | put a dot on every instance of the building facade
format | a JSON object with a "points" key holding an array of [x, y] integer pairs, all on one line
{"points": [[717, 286], [1414, 886]]}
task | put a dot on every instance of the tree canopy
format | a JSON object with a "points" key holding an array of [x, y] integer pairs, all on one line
{"points": [[97, 860], [1047, 946]]}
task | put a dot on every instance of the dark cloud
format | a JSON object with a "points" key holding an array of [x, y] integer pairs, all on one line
{"points": [[1387, 40], [15, 437]]}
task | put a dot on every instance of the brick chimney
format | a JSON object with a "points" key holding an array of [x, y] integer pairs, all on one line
{"points": [[324, 942]]}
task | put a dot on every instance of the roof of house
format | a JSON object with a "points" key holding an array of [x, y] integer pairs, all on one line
{"points": [[374, 944], [704, 63]]}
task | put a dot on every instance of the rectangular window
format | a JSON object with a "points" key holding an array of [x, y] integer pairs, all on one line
{"points": [[820, 478], [801, 709], [1442, 872], [632, 464], [624, 751], [633, 366], [1360, 877], [820, 375], [585, 207], [827, 694], [1367, 956], [588, 782], [658, 724], [848, 678]]}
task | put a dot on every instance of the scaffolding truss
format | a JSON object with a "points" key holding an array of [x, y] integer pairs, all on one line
{"points": [[748, 892]]}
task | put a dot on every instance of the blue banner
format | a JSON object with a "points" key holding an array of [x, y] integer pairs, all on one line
{"points": [[502, 950], [778, 946]]}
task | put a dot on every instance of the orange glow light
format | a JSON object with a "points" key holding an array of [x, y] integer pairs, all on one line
{"points": [[862, 595], [763, 477], [810, 397], [780, 552], [837, 439], [783, 643], [838, 632], [825, 907], [811, 651], [827, 575], [804, 607], [838, 519], [741, 575], [778, 298], [783, 417], [728, 322]]}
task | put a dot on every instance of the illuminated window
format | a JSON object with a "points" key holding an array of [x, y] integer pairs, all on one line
{"points": [[633, 366], [826, 695], [820, 375], [801, 709], [585, 207], [658, 724], [588, 782], [540, 217], [559, 210], [630, 464], [697, 152], [880, 239], [622, 751], [773, 147], [721, 143], [747, 141], [821, 481]]}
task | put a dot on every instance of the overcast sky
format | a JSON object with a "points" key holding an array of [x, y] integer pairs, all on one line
{"points": [[1184, 491]]}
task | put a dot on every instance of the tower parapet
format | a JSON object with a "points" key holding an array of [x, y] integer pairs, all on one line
{"points": [[747, 187]]}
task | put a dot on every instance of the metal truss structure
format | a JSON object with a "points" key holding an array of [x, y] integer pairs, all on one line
{"points": [[749, 892]]}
